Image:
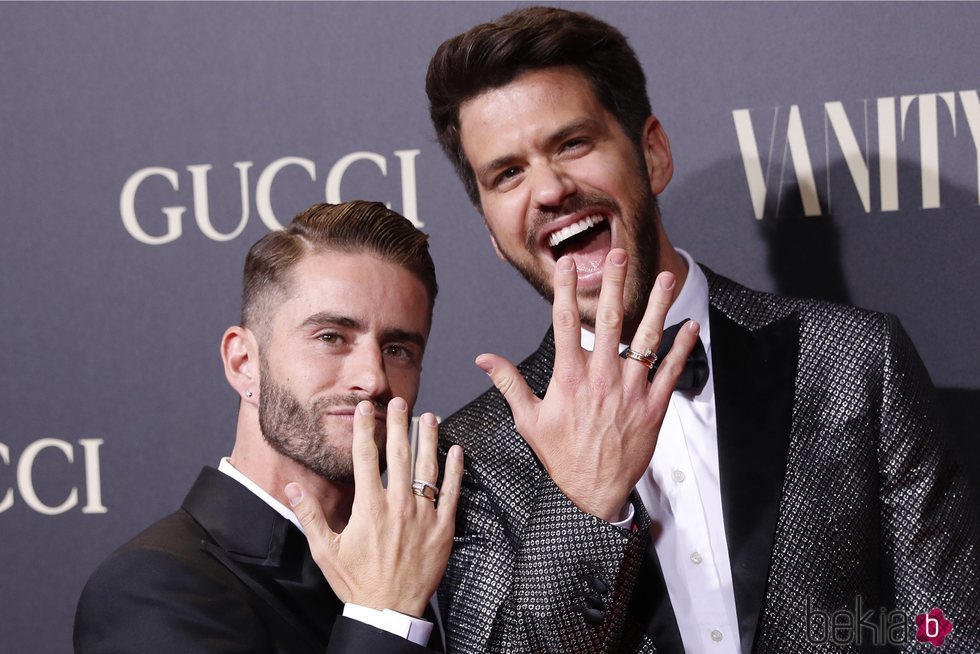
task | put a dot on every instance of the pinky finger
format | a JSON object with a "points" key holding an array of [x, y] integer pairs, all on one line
{"points": [[672, 366], [451, 483]]}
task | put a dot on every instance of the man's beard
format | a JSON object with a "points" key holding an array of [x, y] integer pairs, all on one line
{"points": [[644, 262], [300, 433]]}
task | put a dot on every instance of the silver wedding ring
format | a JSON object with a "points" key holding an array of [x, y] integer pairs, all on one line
{"points": [[647, 358], [425, 489]]}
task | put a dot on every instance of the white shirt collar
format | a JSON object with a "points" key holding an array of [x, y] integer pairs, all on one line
{"points": [[280, 508], [692, 301]]}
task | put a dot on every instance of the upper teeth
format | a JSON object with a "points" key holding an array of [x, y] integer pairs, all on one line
{"points": [[566, 233]]}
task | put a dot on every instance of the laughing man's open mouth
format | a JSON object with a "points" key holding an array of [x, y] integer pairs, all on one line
{"points": [[587, 241]]}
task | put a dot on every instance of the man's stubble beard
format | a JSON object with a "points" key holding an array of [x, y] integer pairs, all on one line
{"points": [[643, 249], [301, 433]]}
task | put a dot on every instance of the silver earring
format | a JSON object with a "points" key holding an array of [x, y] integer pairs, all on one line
{"points": [[248, 393]]}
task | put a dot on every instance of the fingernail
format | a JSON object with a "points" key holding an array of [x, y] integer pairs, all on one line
{"points": [[484, 365], [398, 404], [667, 282], [456, 452], [365, 408], [617, 258], [692, 326], [429, 419], [293, 493], [566, 264]]}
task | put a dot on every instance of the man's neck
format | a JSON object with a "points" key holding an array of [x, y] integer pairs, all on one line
{"points": [[672, 261], [271, 471]]}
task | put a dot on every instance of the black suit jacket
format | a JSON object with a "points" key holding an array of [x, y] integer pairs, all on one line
{"points": [[224, 574], [835, 485]]}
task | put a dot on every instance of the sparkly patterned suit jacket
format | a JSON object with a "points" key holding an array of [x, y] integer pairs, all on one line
{"points": [[835, 484]]}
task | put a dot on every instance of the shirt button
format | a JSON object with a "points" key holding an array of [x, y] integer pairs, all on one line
{"points": [[696, 558], [716, 635], [678, 476]]}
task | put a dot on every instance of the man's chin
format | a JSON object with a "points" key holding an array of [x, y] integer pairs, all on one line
{"points": [[331, 471], [588, 266]]}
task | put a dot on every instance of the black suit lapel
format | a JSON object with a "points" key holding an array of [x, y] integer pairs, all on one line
{"points": [[650, 605], [754, 379], [269, 555]]}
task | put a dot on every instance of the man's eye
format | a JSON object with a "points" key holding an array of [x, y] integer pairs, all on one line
{"points": [[329, 338], [507, 174], [400, 352]]}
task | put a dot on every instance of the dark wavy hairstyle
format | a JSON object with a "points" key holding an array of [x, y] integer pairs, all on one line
{"points": [[493, 54]]}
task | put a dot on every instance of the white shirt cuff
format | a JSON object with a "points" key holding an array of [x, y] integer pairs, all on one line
{"points": [[414, 629], [625, 522]]}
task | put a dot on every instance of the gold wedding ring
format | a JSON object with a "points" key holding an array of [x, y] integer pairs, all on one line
{"points": [[647, 358], [425, 489]]}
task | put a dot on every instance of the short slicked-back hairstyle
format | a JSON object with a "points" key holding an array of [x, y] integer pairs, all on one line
{"points": [[350, 227], [494, 54]]}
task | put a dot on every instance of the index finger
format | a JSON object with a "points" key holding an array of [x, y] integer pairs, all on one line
{"points": [[364, 455]]}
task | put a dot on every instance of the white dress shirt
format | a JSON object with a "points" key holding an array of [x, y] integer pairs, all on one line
{"points": [[406, 626], [680, 490]]}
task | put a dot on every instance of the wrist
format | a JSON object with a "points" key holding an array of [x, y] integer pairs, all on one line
{"points": [[612, 508]]}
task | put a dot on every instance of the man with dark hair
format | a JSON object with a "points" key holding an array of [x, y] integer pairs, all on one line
{"points": [[798, 475], [336, 311]]}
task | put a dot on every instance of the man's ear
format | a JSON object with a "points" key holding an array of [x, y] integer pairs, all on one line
{"points": [[240, 356], [493, 239], [656, 155], [496, 249]]}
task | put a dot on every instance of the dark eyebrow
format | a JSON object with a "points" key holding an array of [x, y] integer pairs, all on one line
{"points": [[551, 141], [324, 319], [568, 130]]}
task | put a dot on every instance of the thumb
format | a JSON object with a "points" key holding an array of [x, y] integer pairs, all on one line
{"points": [[510, 383], [324, 542], [310, 515]]}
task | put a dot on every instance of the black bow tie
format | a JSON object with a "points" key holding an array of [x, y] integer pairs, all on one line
{"points": [[695, 372]]}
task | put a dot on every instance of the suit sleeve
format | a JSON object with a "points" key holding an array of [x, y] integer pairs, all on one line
{"points": [[536, 576], [929, 529], [353, 637], [147, 601]]}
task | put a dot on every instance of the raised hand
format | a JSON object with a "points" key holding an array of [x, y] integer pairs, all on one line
{"points": [[394, 549], [597, 426]]}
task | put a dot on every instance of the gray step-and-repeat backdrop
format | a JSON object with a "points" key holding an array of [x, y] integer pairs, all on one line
{"points": [[826, 149]]}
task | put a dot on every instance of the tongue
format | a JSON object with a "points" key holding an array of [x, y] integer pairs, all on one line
{"points": [[589, 251]]}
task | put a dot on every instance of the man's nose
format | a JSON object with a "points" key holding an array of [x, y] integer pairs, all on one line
{"points": [[366, 372], [550, 185]]}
